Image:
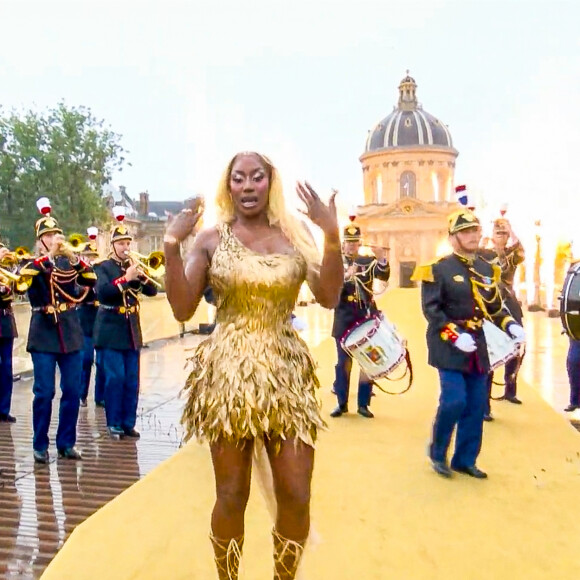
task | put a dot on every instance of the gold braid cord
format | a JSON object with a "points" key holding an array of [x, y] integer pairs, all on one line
{"points": [[479, 284], [59, 277], [228, 555], [287, 555], [356, 278]]}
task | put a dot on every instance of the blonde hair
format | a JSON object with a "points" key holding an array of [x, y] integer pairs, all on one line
{"points": [[278, 215]]}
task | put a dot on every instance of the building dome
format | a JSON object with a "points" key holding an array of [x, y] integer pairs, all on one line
{"points": [[408, 125]]}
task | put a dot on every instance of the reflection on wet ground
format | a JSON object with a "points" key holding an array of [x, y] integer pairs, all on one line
{"points": [[41, 505]]}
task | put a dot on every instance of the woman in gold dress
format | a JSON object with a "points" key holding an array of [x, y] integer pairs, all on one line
{"points": [[253, 379]]}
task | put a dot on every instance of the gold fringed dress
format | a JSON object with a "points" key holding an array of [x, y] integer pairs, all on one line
{"points": [[253, 377]]}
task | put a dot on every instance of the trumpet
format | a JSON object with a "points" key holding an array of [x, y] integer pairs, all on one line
{"points": [[151, 266]]}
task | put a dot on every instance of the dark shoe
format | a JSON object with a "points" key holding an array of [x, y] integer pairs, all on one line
{"points": [[7, 418], [40, 456], [365, 412], [116, 432], [513, 400], [488, 417], [441, 468], [83, 403], [70, 453], [471, 470], [340, 410], [100, 404], [132, 433], [571, 408]]}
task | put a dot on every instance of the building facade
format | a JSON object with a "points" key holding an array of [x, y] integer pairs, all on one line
{"points": [[408, 178], [146, 220]]}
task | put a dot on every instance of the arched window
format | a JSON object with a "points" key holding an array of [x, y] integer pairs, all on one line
{"points": [[407, 184], [378, 189]]}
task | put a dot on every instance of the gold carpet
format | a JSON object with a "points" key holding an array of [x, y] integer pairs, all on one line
{"points": [[378, 508]]}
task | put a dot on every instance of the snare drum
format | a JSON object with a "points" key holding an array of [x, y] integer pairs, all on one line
{"points": [[375, 344], [570, 302], [500, 346]]}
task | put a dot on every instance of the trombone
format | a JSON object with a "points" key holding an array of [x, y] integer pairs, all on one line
{"points": [[12, 259], [151, 266], [73, 245], [22, 253], [77, 242]]}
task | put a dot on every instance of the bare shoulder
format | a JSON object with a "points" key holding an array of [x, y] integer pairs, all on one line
{"points": [[208, 238], [205, 244]]}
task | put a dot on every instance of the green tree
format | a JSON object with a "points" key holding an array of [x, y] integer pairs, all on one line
{"points": [[65, 154]]}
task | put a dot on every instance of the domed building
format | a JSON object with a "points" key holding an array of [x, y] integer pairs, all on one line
{"points": [[408, 171]]}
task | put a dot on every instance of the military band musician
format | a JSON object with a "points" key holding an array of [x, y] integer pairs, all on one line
{"points": [[87, 315], [508, 252], [8, 333], [117, 332], [356, 304], [459, 292], [55, 336]]}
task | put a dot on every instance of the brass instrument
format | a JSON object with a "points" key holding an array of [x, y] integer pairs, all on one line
{"points": [[6, 277], [151, 266], [12, 259], [77, 242], [66, 247]]}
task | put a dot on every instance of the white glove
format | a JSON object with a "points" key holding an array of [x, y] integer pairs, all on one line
{"points": [[517, 332], [298, 324], [465, 342]]}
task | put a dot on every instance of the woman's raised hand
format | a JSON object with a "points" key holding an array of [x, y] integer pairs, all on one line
{"points": [[324, 216], [182, 225]]}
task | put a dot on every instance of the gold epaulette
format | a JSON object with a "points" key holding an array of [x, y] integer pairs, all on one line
{"points": [[423, 273], [496, 273]]}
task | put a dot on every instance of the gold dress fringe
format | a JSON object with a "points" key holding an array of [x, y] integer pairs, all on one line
{"points": [[253, 377]]}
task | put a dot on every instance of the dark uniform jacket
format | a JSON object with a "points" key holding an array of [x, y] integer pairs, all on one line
{"points": [[356, 298], [7, 323], [117, 325], [54, 289], [448, 297], [88, 312], [508, 262]]}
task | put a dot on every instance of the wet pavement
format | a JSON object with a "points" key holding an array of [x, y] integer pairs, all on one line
{"points": [[41, 504]]}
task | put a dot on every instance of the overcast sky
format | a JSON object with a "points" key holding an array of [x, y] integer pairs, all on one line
{"points": [[188, 84]]}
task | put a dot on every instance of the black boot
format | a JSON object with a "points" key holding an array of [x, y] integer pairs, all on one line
{"points": [[365, 412], [340, 410]]}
